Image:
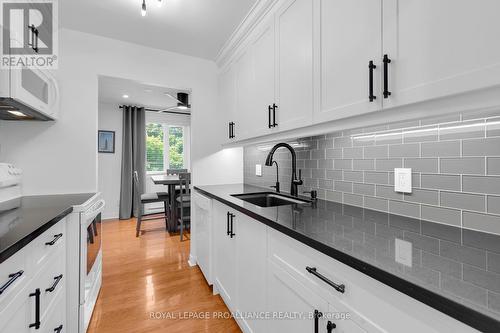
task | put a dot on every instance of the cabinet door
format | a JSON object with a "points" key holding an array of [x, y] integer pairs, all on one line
{"points": [[251, 244], [20, 318], [287, 296], [244, 112], [263, 47], [225, 256], [342, 322], [294, 67], [440, 48], [350, 37], [227, 98]]}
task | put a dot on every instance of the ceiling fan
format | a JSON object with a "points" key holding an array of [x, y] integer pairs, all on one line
{"points": [[182, 103]]}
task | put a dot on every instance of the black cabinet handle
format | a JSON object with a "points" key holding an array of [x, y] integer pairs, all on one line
{"points": [[232, 234], [371, 67], [58, 329], [56, 238], [56, 282], [386, 61], [12, 277], [34, 38], [339, 287], [269, 108], [227, 228], [36, 294], [274, 115], [330, 326], [229, 129], [317, 315]]}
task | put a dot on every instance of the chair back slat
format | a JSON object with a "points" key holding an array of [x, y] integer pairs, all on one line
{"points": [[137, 192], [176, 171]]}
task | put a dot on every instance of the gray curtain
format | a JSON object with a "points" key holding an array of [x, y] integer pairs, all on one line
{"points": [[133, 159]]}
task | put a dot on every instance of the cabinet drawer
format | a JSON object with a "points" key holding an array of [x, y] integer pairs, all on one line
{"points": [[373, 306], [51, 281], [14, 276], [50, 242], [294, 257]]}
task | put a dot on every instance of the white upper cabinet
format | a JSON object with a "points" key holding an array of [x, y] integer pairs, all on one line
{"points": [[263, 47], [350, 37], [440, 48], [244, 111], [227, 97], [294, 66]]}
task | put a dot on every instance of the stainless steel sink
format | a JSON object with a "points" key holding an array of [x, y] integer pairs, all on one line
{"points": [[269, 199]]}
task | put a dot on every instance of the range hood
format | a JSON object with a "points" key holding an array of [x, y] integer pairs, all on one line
{"points": [[10, 109]]}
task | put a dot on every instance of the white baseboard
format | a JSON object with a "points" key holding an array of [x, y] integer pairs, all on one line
{"points": [[192, 261]]}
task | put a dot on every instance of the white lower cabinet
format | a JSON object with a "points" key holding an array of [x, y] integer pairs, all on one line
{"points": [[225, 255], [35, 301], [240, 265], [260, 271], [293, 307]]}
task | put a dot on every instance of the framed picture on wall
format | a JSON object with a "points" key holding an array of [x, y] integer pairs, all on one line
{"points": [[106, 142]]}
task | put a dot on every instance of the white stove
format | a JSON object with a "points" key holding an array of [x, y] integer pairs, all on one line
{"points": [[10, 182]]}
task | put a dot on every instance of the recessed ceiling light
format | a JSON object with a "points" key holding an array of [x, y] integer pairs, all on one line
{"points": [[125, 96], [17, 113]]}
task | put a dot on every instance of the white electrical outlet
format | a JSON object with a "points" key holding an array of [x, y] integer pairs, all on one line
{"points": [[402, 180], [403, 252], [258, 170]]}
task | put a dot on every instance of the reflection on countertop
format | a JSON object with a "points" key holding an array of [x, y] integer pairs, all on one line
{"points": [[460, 264]]}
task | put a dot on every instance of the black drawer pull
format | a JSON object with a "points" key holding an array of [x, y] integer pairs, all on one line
{"points": [[339, 287], [386, 61], [317, 315], [330, 326], [227, 228], [269, 108], [36, 324], [12, 277], [371, 67], [56, 238], [232, 234], [56, 282], [58, 329]]}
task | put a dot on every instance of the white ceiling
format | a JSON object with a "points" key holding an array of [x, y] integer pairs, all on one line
{"points": [[111, 91], [194, 27]]}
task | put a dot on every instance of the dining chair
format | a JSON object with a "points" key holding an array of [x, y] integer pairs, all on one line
{"points": [[183, 200], [146, 198], [176, 171]]}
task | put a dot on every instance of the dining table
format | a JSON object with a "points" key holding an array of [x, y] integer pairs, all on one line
{"points": [[171, 181]]}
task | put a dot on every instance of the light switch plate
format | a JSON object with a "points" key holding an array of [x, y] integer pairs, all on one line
{"points": [[402, 180], [258, 170], [403, 252]]}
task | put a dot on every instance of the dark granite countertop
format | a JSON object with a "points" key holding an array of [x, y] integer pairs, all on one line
{"points": [[24, 219], [454, 270]]}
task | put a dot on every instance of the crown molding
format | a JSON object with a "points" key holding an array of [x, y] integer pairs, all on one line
{"points": [[258, 10]]}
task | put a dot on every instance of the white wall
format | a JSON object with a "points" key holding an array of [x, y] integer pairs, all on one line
{"points": [[109, 165], [60, 157]]}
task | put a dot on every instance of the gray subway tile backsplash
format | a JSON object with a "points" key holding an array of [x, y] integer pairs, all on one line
{"points": [[455, 172], [493, 165]]}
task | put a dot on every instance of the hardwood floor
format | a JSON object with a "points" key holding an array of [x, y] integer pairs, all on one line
{"points": [[150, 275]]}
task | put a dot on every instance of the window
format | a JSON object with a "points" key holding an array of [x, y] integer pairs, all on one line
{"points": [[162, 154]]}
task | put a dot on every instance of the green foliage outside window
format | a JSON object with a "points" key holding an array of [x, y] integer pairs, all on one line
{"points": [[155, 147]]}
